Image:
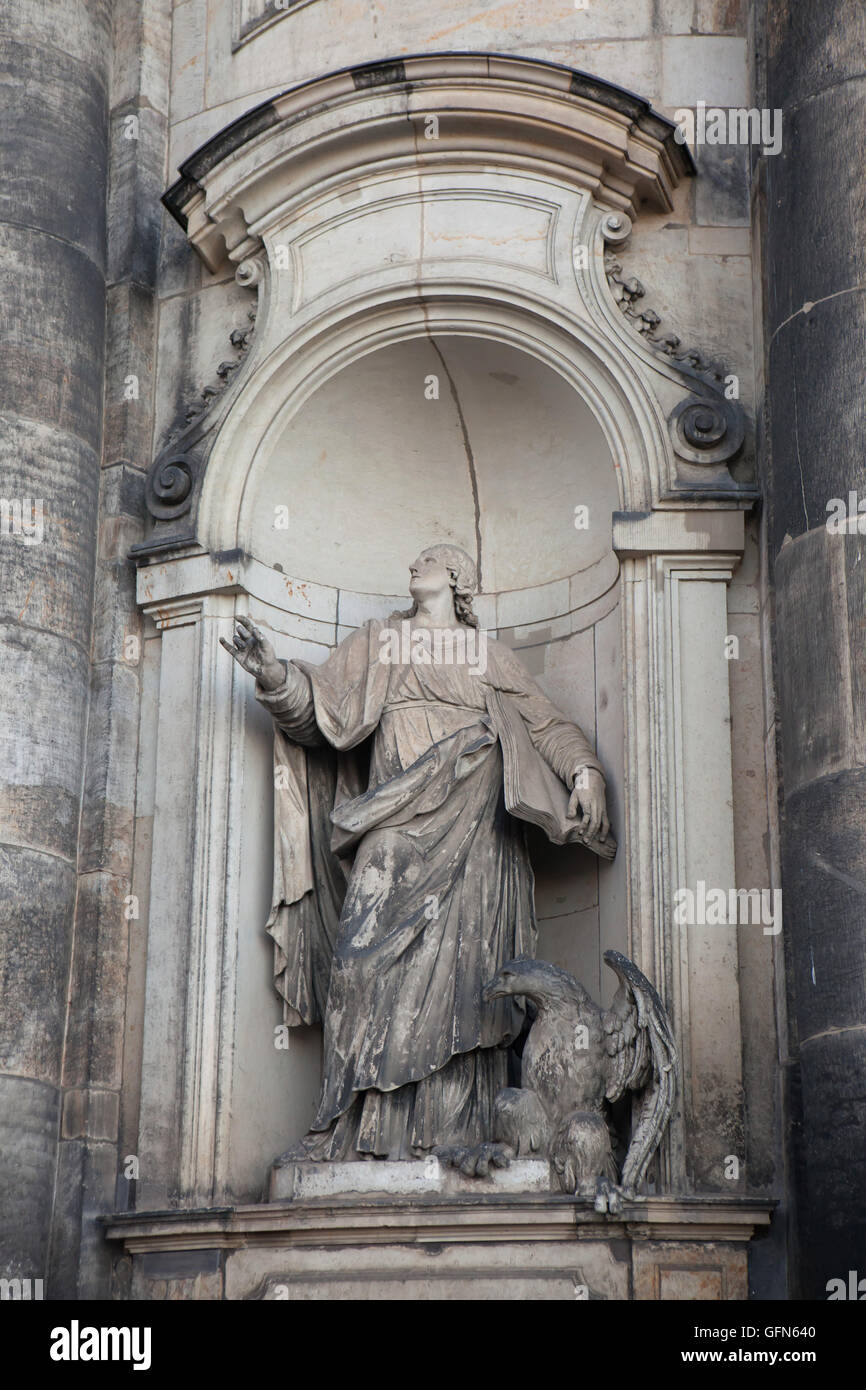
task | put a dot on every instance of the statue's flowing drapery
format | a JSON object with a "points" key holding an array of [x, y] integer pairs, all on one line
{"points": [[400, 891]]}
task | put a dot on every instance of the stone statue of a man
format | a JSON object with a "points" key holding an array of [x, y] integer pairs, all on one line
{"points": [[403, 884]]}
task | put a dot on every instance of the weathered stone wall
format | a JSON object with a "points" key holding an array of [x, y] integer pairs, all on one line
{"points": [[812, 212], [86, 88]]}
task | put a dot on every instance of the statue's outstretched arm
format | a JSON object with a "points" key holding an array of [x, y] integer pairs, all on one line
{"points": [[282, 688]]}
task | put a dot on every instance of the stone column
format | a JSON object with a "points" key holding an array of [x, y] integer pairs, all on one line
{"points": [[109, 940], [814, 263], [55, 61]]}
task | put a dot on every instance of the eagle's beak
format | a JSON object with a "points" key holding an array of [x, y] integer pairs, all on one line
{"points": [[492, 990]]}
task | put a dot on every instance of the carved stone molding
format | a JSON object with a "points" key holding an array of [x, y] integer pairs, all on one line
{"points": [[253, 17], [240, 340], [517, 111], [707, 430], [319, 198], [168, 490], [658, 1249]]}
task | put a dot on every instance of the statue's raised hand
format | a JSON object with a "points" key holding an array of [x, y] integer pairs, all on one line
{"points": [[252, 650]]}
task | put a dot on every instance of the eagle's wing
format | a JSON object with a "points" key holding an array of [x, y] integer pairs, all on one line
{"points": [[643, 1057]]}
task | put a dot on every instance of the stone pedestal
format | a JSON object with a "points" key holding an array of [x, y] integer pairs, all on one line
{"points": [[308, 1181], [411, 1231]]}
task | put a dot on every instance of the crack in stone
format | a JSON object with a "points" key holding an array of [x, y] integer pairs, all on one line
{"points": [[470, 459], [811, 304], [797, 442]]}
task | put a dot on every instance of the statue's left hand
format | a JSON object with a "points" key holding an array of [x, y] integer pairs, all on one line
{"points": [[588, 798]]}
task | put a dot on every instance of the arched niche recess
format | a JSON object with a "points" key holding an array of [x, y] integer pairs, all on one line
{"points": [[440, 226]]}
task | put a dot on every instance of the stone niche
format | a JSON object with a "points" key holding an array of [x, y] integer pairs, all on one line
{"points": [[473, 441], [445, 348]]}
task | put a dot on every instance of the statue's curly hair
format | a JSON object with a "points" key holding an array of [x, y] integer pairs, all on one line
{"points": [[464, 582]]}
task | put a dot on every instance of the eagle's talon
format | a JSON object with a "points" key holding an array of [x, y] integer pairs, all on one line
{"points": [[608, 1197], [492, 1154], [474, 1162]]}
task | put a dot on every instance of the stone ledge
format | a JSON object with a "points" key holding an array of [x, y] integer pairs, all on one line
{"points": [[377, 1218], [686, 531], [499, 1245]]}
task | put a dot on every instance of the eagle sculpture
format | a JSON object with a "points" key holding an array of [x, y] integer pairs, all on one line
{"points": [[578, 1060]]}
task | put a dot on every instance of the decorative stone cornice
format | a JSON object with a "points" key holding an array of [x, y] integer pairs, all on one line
{"points": [[518, 112], [493, 157], [377, 1220]]}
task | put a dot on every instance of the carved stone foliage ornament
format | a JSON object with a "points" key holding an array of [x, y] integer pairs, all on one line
{"points": [[709, 427], [172, 478]]}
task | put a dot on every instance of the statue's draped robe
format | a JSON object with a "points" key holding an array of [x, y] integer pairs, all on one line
{"points": [[399, 892]]}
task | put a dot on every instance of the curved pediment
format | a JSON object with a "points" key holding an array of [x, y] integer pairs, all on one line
{"points": [[426, 111]]}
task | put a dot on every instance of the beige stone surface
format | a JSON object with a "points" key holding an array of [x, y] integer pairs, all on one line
{"points": [[625, 43], [721, 16], [689, 1271], [494, 410], [571, 940], [752, 780], [720, 241], [308, 1181], [712, 70], [188, 53]]}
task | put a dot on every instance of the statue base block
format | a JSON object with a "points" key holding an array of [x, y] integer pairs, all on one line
{"points": [[308, 1180], [470, 1239]]}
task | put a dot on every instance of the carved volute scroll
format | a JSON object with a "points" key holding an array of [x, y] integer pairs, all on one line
{"points": [[709, 427], [175, 475]]}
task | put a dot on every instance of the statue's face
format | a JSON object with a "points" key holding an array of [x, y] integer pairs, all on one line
{"points": [[428, 576]]}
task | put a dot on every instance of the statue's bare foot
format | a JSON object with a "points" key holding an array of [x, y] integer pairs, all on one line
{"points": [[311, 1149], [293, 1155], [475, 1162]]}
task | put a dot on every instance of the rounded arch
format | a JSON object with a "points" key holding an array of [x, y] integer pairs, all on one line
{"points": [[628, 415]]}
